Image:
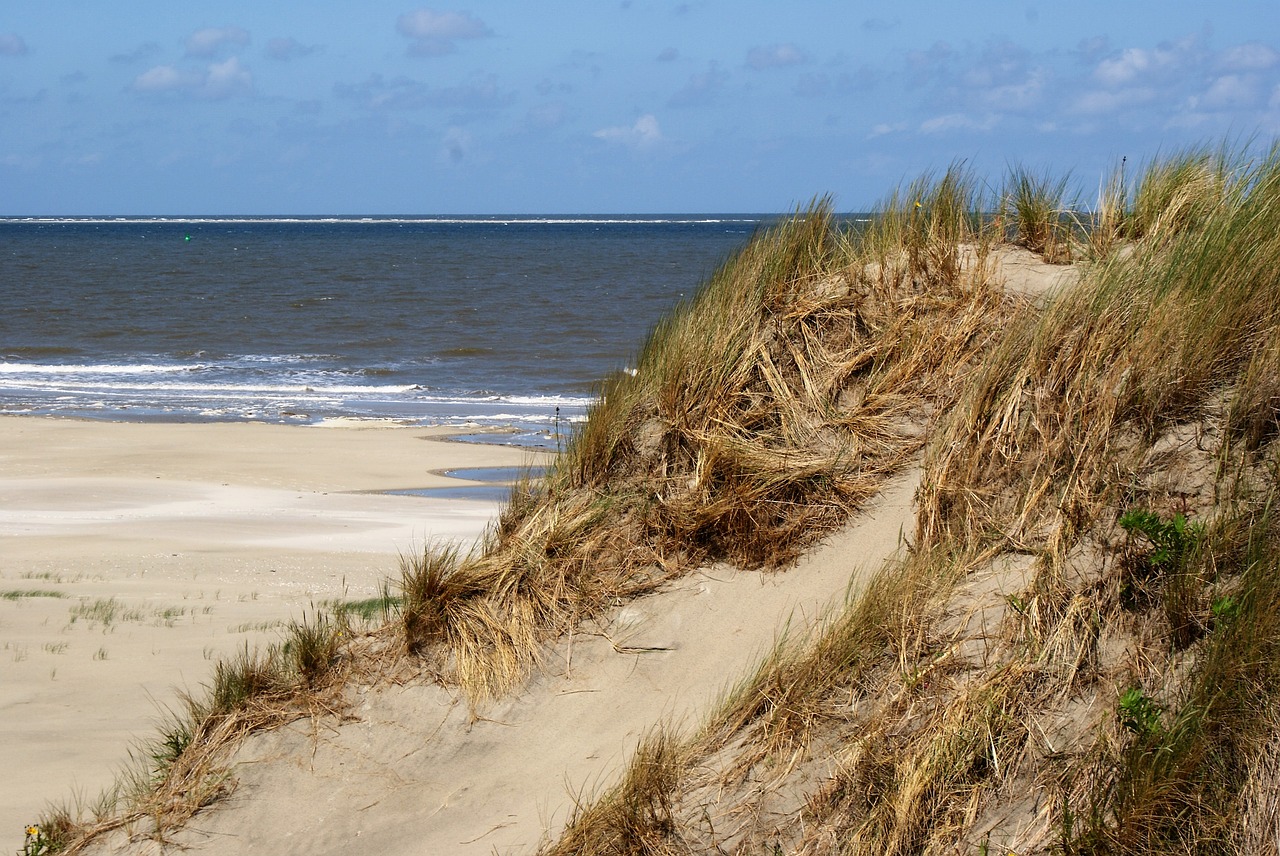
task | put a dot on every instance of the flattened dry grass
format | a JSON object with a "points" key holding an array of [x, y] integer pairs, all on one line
{"points": [[759, 415], [1025, 746], [1149, 341]]}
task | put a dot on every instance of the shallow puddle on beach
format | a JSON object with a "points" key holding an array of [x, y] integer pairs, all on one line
{"points": [[497, 488]]}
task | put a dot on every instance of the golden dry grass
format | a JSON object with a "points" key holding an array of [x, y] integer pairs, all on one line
{"points": [[762, 413]]}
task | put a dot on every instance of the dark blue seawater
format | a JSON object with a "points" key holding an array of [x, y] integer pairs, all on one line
{"points": [[484, 321]]}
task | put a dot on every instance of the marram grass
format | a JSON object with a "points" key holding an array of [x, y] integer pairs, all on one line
{"points": [[818, 363]]}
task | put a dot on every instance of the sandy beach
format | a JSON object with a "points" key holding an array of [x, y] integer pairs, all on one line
{"points": [[134, 555]]}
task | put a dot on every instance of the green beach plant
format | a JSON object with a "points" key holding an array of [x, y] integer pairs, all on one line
{"points": [[1038, 214]]}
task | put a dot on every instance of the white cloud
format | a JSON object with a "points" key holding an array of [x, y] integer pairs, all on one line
{"points": [[884, 128], [957, 122], [161, 78], [1230, 91], [1250, 56], [219, 80], [227, 78], [11, 44], [1016, 96], [434, 33], [208, 41], [644, 134], [775, 56], [1161, 66], [1131, 64]]}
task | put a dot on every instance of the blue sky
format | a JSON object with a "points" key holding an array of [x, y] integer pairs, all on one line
{"points": [[391, 107]]}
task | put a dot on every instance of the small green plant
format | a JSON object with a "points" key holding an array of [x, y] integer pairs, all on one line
{"points": [[1171, 540], [36, 842], [1224, 608], [312, 647], [173, 741], [1138, 713], [378, 609], [20, 594]]}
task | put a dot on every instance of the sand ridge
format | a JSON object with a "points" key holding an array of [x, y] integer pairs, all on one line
{"points": [[420, 773]]}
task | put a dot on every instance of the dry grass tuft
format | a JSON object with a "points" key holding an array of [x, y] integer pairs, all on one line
{"points": [[184, 768], [637, 816]]}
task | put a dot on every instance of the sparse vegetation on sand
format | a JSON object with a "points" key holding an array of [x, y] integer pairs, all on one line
{"points": [[1080, 651]]}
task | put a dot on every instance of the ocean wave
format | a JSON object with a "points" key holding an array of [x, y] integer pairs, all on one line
{"points": [[638, 220], [92, 368]]}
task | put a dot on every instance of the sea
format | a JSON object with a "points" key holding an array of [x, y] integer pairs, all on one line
{"points": [[480, 323]]}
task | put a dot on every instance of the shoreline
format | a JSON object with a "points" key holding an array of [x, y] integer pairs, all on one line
{"points": [[138, 553]]}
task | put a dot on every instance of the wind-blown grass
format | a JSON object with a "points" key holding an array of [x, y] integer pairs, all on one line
{"points": [[1057, 432], [814, 365], [759, 415]]}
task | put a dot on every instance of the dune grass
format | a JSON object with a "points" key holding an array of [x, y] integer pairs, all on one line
{"points": [[174, 774], [760, 414], [1038, 214], [1056, 451], [1119, 699], [22, 594]]}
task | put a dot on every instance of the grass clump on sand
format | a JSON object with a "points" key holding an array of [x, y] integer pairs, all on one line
{"points": [[1038, 214], [21, 594], [183, 768]]}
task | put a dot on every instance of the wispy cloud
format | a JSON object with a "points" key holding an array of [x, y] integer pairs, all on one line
{"points": [[958, 122], [285, 49], [644, 134], [141, 53], [1250, 56], [207, 42], [701, 88], [404, 93], [11, 44], [433, 33], [775, 56]]}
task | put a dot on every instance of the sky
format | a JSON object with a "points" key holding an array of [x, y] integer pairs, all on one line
{"points": [[557, 107]]}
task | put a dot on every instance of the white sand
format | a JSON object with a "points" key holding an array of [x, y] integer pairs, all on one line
{"points": [[203, 537], [417, 775]]}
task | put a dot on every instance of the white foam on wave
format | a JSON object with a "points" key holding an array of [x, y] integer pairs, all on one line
{"points": [[209, 388], [93, 368]]}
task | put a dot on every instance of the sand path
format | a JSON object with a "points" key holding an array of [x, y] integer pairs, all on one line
{"points": [[416, 775]]}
